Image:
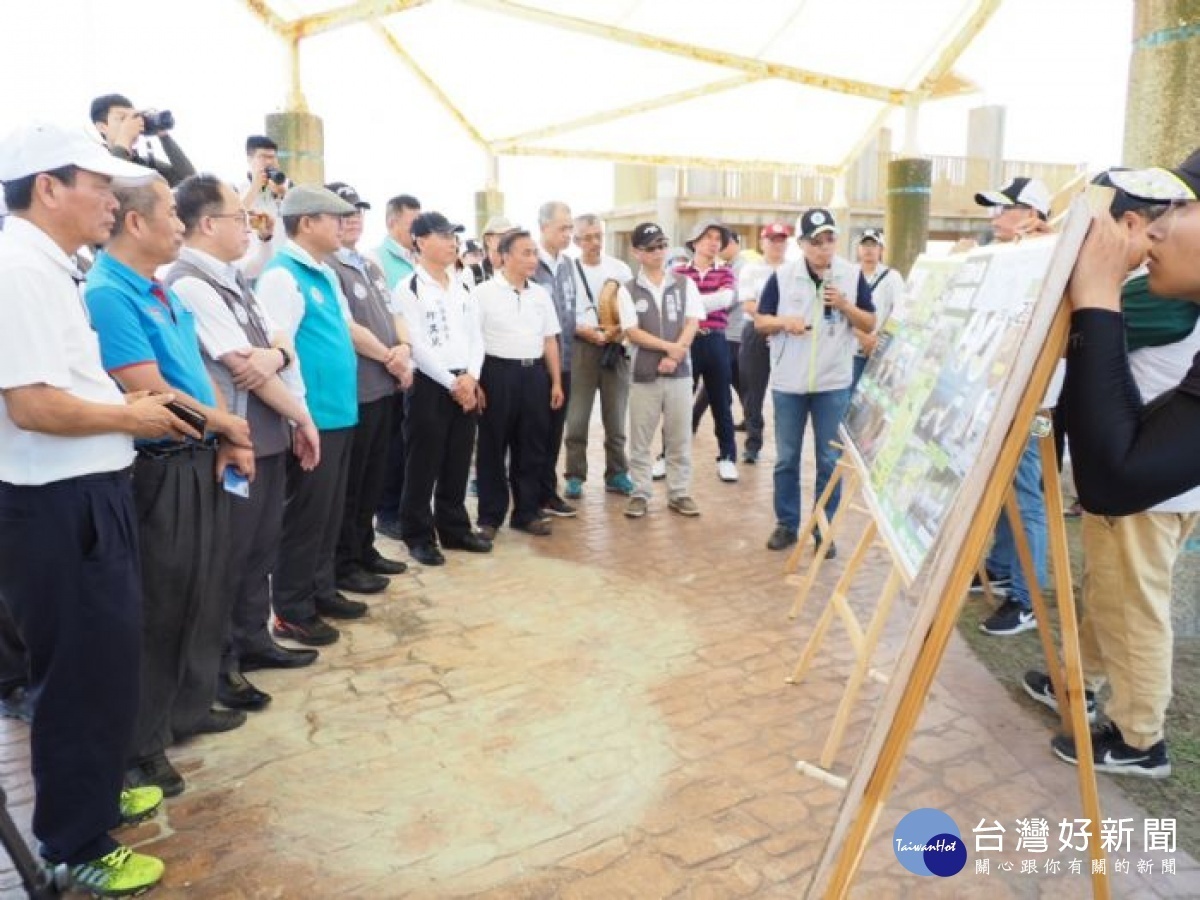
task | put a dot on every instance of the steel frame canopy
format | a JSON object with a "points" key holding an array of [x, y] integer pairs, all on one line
{"points": [[794, 85]]}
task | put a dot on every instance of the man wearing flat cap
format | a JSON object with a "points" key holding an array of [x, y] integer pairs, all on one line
{"points": [[69, 570], [710, 350], [302, 296], [384, 367]]}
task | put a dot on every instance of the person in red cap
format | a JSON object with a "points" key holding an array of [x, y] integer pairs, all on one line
{"points": [[754, 362]]}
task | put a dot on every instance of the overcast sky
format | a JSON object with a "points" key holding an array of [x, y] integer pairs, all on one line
{"points": [[1059, 66]]}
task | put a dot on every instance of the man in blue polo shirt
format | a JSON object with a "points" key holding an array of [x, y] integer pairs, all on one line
{"points": [[148, 343], [301, 295]]}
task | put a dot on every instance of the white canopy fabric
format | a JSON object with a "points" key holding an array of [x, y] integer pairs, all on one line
{"points": [[770, 83]]}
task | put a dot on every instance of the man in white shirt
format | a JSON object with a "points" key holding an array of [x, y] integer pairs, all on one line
{"points": [[262, 191], [443, 402], [521, 385], [247, 357], [660, 315], [301, 295], [68, 552], [754, 361], [598, 363]]}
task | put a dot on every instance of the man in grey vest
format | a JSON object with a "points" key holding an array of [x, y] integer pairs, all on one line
{"points": [[247, 358], [660, 315], [556, 273], [360, 567]]}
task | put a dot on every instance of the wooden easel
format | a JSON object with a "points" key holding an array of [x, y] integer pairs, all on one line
{"points": [[822, 529], [868, 789]]}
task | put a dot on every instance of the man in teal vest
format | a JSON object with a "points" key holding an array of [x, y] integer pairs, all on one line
{"points": [[302, 297]]}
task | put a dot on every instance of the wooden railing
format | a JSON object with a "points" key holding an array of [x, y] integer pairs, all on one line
{"points": [[954, 183]]}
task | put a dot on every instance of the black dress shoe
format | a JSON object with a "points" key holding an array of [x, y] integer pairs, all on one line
{"points": [[360, 581], [155, 771], [314, 631], [488, 533], [219, 720], [380, 565], [277, 657], [427, 554], [470, 542], [341, 607], [234, 691]]}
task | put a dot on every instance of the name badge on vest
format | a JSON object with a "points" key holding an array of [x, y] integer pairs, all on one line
{"points": [[315, 293], [360, 290], [672, 308], [641, 305], [239, 313]]}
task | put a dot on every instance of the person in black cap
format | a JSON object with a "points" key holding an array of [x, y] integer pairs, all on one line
{"points": [[443, 404], [809, 308], [384, 366], [1129, 456]]}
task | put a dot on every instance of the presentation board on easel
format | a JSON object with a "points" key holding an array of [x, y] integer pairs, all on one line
{"points": [[935, 431]]}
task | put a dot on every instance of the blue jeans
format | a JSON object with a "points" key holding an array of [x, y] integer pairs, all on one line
{"points": [[792, 411], [860, 363], [1002, 561]]}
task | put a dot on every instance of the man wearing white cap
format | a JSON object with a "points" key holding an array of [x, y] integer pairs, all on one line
{"points": [[68, 553], [886, 286], [1018, 209]]}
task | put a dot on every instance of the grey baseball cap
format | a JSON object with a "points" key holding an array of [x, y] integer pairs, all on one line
{"points": [[314, 200]]}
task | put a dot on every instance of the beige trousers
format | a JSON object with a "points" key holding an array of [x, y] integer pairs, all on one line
{"points": [[1125, 635]]}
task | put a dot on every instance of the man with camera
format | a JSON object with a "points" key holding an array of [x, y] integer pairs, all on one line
{"points": [[122, 127], [262, 192]]}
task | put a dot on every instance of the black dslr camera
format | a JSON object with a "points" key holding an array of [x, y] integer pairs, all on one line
{"points": [[155, 122], [276, 175]]}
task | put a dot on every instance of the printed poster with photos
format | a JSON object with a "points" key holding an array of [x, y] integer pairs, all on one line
{"points": [[918, 418]]}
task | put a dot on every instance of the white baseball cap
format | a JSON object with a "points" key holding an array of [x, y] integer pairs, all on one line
{"points": [[42, 147], [1019, 192]]}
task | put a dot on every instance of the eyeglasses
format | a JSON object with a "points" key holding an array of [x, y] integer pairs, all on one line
{"points": [[654, 248], [240, 214]]}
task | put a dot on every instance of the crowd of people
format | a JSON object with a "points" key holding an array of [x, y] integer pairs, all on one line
{"points": [[214, 399]]}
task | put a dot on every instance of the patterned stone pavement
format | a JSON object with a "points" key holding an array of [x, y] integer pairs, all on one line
{"points": [[599, 714]]}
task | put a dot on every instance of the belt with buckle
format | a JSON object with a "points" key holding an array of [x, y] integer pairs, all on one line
{"points": [[165, 449], [705, 332], [524, 363]]}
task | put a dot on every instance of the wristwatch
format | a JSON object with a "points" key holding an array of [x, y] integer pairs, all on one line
{"points": [[287, 358]]}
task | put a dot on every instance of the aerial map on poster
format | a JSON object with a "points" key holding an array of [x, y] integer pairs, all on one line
{"points": [[919, 415]]}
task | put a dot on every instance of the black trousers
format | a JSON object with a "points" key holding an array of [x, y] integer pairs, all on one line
{"points": [[397, 457], [440, 438], [69, 576], [754, 372], [365, 478], [516, 423], [700, 404], [710, 365], [14, 659], [255, 525], [312, 521], [556, 428], [183, 529]]}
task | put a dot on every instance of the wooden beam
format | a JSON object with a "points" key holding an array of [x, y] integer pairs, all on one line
{"points": [[747, 64], [350, 14], [944, 61], [261, 11], [690, 162], [431, 85], [633, 109]]}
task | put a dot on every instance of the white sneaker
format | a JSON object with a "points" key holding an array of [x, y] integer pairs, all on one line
{"points": [[658, 471], [727, 469]]}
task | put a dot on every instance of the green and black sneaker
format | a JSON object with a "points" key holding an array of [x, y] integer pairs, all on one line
{"points": [[121, 873], [140, 803]]}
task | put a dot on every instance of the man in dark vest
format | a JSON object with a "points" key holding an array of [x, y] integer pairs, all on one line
{"points": [[660, 315], [247, 359], [556, 273], [384, 364]]}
